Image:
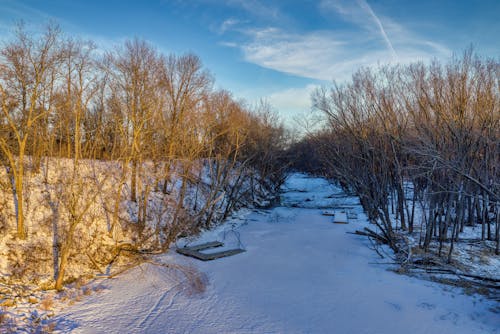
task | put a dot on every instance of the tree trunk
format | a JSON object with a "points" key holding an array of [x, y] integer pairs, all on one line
{"points": [[497, 230], [133, 181], [65, 251], [412, 216], [19, 197], [62, 268], [401, 208]]}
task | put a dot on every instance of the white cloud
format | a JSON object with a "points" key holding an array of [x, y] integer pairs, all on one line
{"points": [[309, 55], [295, 108], [327, 55], [293, 100], [319, 55], [228, 24], [229, 44]]}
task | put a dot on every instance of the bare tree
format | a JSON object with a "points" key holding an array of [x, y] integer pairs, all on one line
{"points": [[135, 72], [186, 84], [432, 129], [26, 85]]}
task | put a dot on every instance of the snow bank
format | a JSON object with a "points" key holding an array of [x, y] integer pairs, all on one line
{"points": [[300, 274]]}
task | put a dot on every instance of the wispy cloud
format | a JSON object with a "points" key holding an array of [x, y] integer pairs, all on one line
{"points": [[36, 20], [17, 10], [228, 24], [365, 6], [12, 12], [336, 54], [306, 55], [256, 8], [361, 14]]}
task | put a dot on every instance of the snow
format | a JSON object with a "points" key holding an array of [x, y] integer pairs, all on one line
{"points": [[300, 274], [471, 255]]}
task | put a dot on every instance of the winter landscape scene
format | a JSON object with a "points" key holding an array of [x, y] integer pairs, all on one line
{"points": [[249, 166]]}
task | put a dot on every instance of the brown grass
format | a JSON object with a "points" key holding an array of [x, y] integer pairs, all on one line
{"points": [[49, 328], [3, 316], [194, 281], [47, 303], [86, 291]]}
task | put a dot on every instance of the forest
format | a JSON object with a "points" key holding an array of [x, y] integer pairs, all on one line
{"points": [[110, 154], [420, 145]]}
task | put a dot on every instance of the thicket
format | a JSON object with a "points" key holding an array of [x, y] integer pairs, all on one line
{"points": [[419, 144], [106, 152]]}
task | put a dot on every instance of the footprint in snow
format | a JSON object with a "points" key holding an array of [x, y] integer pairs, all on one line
{"points": [[452, 316], [427, 306], [395, 306]]}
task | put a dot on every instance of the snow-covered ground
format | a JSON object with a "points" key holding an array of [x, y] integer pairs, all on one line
{"points": [[300, 274]]}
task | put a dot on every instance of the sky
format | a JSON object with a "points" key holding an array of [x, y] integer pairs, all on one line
{"points": [[277, 50]]}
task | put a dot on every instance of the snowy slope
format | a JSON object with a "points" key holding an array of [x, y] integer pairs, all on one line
{"points": [[300, 274]]}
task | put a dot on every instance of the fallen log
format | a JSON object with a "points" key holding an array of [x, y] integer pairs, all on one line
{"points": [[369, 233], [456, 272]]}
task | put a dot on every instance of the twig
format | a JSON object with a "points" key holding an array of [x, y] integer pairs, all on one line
{"points": [[375, 248]]}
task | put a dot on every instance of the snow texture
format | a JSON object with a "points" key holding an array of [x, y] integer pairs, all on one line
{"points": [[300, 274]]}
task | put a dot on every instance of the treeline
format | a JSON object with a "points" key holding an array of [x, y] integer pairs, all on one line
{"points": [[419, 144], [129, 144]]}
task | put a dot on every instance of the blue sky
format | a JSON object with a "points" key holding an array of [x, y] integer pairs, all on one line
{"points": [[279, 50]]}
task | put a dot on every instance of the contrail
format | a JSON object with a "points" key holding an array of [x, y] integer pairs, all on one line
{"points": [[367, 7]]}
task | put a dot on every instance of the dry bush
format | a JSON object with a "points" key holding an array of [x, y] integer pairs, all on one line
{"points": [[7, 323], [86, 291], [48, 328], [47, 303], [30, 260], [3, 316]]}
